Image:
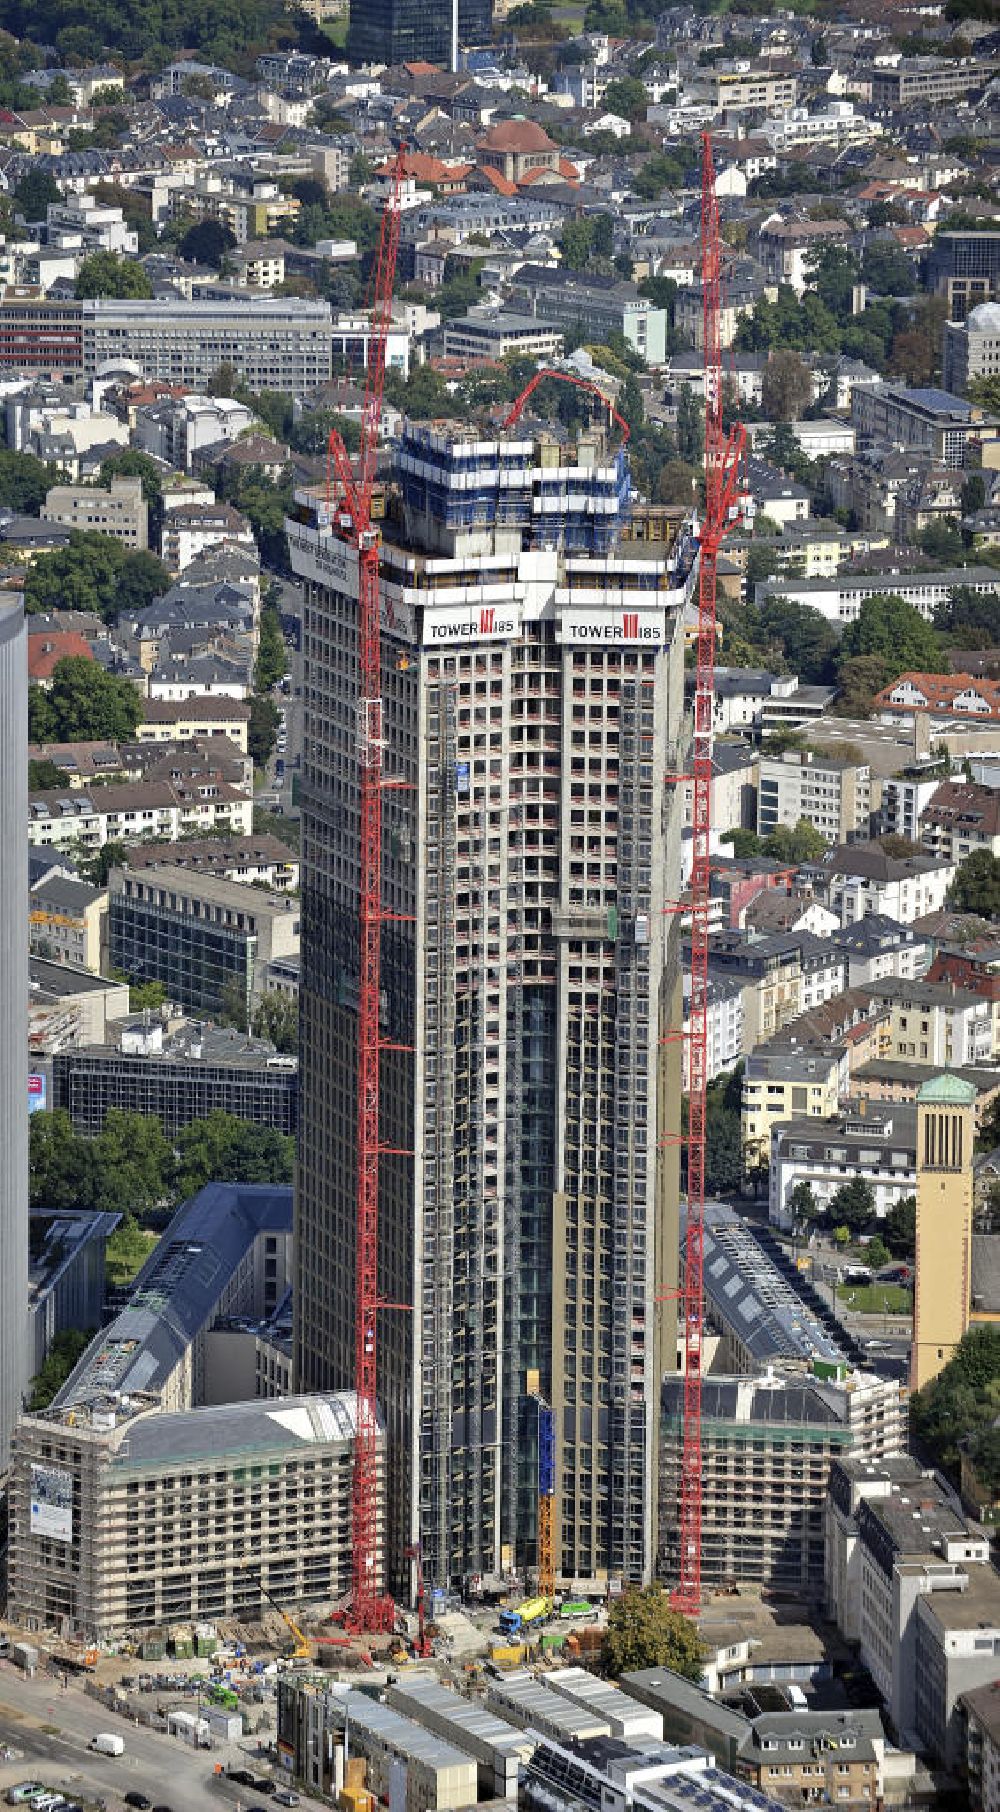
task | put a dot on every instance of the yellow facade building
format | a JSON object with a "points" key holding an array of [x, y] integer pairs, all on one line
{"points": [[946, 1130]]}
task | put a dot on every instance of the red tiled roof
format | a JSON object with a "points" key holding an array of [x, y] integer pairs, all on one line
{"points": [[940, 691], [416, 69], [425, 168], [46, 647], [517, 136], [498, 182]]}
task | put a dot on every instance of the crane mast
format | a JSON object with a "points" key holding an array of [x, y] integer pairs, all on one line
{"points": [[371, 1609], [723, 462]]}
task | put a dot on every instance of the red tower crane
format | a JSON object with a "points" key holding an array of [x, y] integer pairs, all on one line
{"points": [[371, 1609], [723, 462]]}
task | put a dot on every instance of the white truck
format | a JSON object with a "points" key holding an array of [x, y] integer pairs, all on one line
{"points": [[106, 1744]]}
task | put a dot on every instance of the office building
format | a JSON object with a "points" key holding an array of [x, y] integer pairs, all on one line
{"points": [[767, 1445], [840, 599], [124, 1516], [597, 305], [946, 1130], [946, 428], [69, 922], [404, 31], [835, 795], [964, 267], [209, 941], [971, 348], [489, 334], [13, 1014], [118, 509], [280, 343], [530, 712], [178, 1077], [927, 81]]}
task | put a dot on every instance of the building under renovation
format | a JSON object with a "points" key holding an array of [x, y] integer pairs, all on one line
{"points": [[532, 685]]}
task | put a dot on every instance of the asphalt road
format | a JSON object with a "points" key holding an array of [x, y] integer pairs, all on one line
{"points": [[52, 1727]]}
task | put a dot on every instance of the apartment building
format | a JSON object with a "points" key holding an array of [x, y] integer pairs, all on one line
{"points": [[69, 922], [747, 698], [532, 692], [256, 860], [875, 946], [209, 941], [250, 205], [927, 1598], [927, 81], [191, 719], [767, 1447], [836, 796], [779, 1084], [148, 808], [878, 1144], [744, 84], [980, 1767], [944, 699], [860, 880], [725, 1024], [964, 267], [118, 509], [178, 428], [936, 1023], [960, 819], [125, 1518], [784, 247], [947, 429], [762, 1312], [193, 528], [783, 975]]}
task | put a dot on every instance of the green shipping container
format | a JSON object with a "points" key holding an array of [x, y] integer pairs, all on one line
{"points": [[552, 1639]]}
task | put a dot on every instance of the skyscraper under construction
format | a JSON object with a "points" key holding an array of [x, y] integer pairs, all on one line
{"points": [[533, 708]]}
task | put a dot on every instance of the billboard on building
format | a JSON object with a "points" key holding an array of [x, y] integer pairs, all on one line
{"points": [[51, 1503], [36, 1094]]}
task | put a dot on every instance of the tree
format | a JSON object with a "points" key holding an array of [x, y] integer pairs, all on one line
{"points": [[915, 352], [643, 1631], [675, 482], [83, 704], [886, 268], [877, 1253], [133, 1164], [896, 632], [985, 393], [745, 843], [126, 1252], [311, 433], [976, 887], [61, 1163], [899, 1229], [207, 242], [35, 192], [142, 578], [277, 1018], [146, 996], [859, 679], [627, 97], [942, 542], [104, 274], [805, 638], [67, 1347], [690, 426], [44, 775], [224, 1149], [272, 657], [973, 495], [803, 1206], [130, 464], [803, 843], [832, 271], [112, 854], [853, 1205], [786, 387], [966, 609], [81, 576], [24, 482], [963, 1401]]}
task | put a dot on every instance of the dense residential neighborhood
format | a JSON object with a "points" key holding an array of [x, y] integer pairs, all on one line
{"points": [[500, 905]]}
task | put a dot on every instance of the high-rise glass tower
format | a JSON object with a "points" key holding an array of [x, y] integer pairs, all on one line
{"points": [[13, 1013], [408, 31], [533, 702]]}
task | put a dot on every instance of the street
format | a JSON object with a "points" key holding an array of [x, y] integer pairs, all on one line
{"points": [[52, 1727]]}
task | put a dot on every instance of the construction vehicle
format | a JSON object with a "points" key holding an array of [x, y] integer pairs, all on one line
{"points": [[303, 1650], [514, 1623]]}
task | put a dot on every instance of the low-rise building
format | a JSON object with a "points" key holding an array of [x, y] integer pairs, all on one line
{"points": [[126, 1516], [489, 334], [69, 922], [257, 860], [316, 1722], [209, 941], [651, 1777], [767, 1444], [942, 698], [879, 1145], [118, 509], [747, 698], [500, 1749], [936, 1023], [960, 819], [764, 1314], [840, 599], [189, 719], [67, 1279], [68, 1006], [877, 946]]}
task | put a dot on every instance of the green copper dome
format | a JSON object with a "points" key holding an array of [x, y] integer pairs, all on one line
{"points": [[947, 1090]]}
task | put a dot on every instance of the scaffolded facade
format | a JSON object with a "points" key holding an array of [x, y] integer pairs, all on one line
{"points": [[533, 705]]}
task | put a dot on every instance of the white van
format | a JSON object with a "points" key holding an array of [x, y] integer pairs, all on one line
{"points": [[107, 1744]]}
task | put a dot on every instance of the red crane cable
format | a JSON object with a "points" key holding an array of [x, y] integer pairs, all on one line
{"points": [[371, 1609], [723, 460], [564, 377]]}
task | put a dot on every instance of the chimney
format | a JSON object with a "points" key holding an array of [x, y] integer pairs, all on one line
{"points": [[921, 735]]}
